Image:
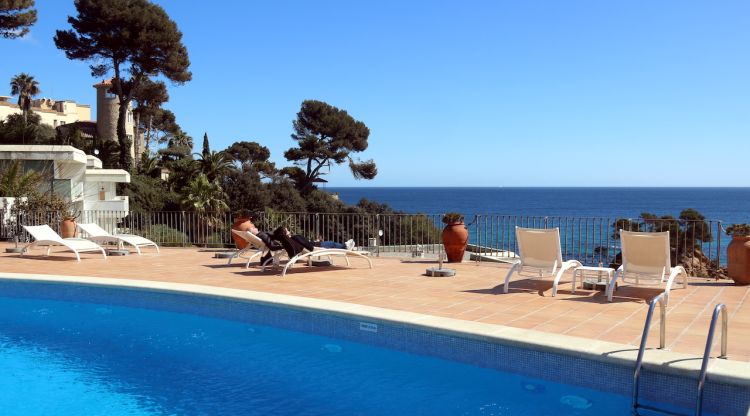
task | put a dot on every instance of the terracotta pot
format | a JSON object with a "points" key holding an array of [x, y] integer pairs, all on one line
{"points": [[455, 238], [68, 228], [241, 224], [738, 258]]}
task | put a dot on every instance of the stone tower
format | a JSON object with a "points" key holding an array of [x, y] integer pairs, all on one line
{"points": [[107, 112]]}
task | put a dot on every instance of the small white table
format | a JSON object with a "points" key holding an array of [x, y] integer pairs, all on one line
{"points": [[592, 274]]}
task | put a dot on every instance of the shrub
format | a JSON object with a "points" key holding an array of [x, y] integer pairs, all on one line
{"points": [[740, 230], [166, 236], [453, 218]]}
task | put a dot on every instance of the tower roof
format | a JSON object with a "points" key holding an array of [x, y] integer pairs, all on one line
{"points": [[104, 83]]}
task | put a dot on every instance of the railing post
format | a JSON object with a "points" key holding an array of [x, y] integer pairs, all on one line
{"points": [[718, 243], [316, 218], [478, 239], [377, 235]]}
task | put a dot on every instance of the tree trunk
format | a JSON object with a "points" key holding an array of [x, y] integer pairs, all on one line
{"points": [[25, 111], [137, 142], [126, 161], [147, 139]]}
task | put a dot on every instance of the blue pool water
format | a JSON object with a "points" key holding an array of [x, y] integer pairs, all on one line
{"points": [[73, 358]]}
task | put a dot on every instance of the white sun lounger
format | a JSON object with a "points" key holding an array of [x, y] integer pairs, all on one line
{"points": [[646, 259], [540, 253], [325, 252], [100, 236], [254, 243], [45, 236]]}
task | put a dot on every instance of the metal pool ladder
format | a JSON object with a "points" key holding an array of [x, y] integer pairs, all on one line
{"points": [[662, 301], [720, 308]]}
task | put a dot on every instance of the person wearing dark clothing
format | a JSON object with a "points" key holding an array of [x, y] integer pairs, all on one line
{"points": [[267, 239], [291, 245], [307, 244], [294, 244]]}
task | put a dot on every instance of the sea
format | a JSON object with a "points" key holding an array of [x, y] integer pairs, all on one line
{"points": [[729, 205]]}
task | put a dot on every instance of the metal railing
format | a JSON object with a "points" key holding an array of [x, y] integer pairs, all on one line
{"points": [[171, 229], [662, 301], [720, 308], [379, 233], [696, 244]]}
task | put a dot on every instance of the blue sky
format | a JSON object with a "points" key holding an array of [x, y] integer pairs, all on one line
{"points": [[473, 93]]}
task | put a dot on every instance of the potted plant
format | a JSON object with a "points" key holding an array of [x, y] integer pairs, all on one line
{"points": [[455, 236], [242, 222], [738, 253], [68, 223]]}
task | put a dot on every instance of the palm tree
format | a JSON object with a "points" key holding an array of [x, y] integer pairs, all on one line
{"points": [[180, 138], [25, 87], [14, 183], [215, 164], [204, 196], [207, 200], [149, 165]]}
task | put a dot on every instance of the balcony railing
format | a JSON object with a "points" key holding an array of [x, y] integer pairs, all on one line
{"points": [[697, 244]]}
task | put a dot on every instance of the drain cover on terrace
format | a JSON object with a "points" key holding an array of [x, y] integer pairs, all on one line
{"points": [[438, 272]]}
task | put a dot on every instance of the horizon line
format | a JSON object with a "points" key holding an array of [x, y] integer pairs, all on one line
{"points": [[541, 187]]}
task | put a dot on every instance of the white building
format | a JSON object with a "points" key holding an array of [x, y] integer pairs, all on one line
{"points": [[52, 112], [73, 175], [58, 113]]}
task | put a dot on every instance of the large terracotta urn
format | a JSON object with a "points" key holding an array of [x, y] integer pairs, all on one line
{"points": [[455, 238], [241, 224], [738, 259], [68, 228]]}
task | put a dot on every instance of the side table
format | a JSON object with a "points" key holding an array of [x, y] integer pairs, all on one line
{"points": [[596, 276]]}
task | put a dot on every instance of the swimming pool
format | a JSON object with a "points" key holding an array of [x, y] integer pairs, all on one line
{"points": [[72, 350]]}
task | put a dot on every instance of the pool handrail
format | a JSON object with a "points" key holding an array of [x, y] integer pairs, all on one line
{"points": [[720, 308], [661, 299]]}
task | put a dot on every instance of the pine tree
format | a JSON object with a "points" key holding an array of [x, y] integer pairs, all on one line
{"points": [[326, 136], [132, 38], [15, 17]]}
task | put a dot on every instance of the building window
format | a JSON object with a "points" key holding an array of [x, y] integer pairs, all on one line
{"points": [[54, 123], [62, 123]]}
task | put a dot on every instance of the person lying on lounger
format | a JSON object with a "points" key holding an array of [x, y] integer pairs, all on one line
{"points": [[268, 240], [295, 244]]}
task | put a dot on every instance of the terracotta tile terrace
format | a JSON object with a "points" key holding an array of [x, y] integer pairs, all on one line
{"points": [[475, 294]]}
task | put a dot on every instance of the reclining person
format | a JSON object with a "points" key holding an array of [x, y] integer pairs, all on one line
{"points": [[295, 244], [267, 240]]}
